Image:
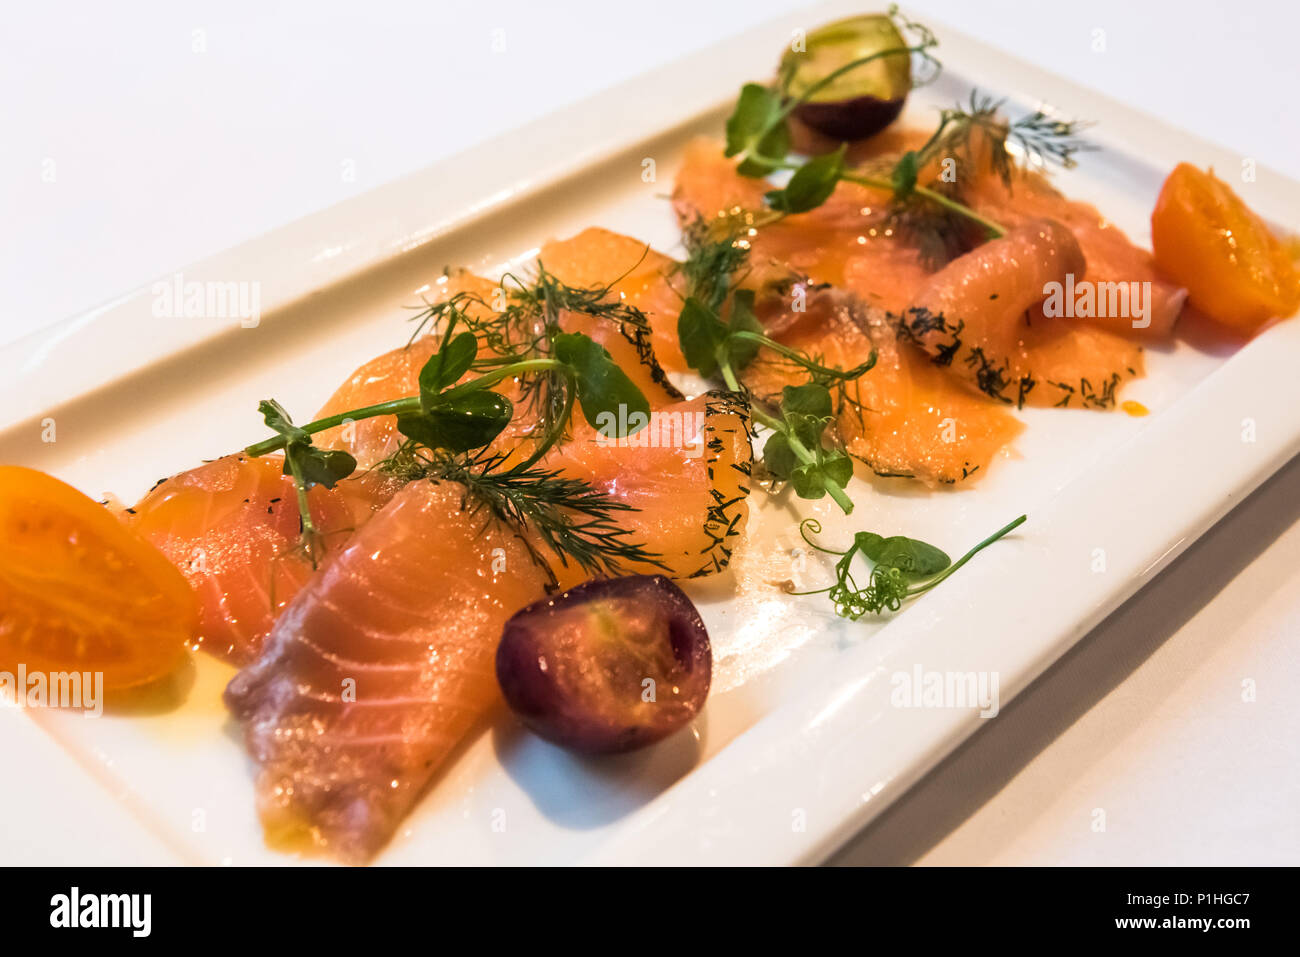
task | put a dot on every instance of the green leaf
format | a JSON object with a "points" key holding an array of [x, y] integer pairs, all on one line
{"points": [[837, 467], [771, 149], [604, 389], [274, 415], [868, 542], [700, 332], [778, 456], [446, 366], [465, 422], [807, 429], [808, 481], [319, 466], [904, 175], [741, 352], [808, 399], [811, 185], [909, 555], [756, 108], [806, 411]]}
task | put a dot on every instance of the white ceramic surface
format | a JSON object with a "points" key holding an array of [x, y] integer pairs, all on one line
{"points": [[801, 744]]}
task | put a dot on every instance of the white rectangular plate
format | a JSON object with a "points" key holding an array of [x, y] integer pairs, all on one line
{"points": [[799, 745]]}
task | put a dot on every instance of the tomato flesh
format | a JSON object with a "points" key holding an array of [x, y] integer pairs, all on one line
{"points": [[1205, 238], [79, 591]]}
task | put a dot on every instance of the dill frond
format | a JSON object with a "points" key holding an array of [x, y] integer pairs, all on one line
{"points": [[713, 261], [1041, 139], [571, 519]]}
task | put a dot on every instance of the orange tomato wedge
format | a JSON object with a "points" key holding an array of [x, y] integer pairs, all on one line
{"points": [[79, 591], [1205, 238]]}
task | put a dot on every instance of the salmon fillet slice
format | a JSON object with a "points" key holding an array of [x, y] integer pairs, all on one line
{"points": [[980, 317], [232, 528], [687, 474], [379, 668], [903, 418], [383, 662], [1110, 255], [640, 276]]}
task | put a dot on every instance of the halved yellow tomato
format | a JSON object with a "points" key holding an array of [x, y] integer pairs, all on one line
{"points": [[1205, 238], [79, 591]]}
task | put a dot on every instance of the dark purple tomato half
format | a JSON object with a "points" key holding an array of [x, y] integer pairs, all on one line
{"points": [[851, 119], [608, 666], [863, 99]]}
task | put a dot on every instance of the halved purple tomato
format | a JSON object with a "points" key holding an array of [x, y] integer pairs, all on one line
{"points": [[863, 100], [608, 666]]}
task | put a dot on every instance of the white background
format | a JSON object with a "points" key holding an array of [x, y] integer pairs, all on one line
{"points": [[138, 137]]}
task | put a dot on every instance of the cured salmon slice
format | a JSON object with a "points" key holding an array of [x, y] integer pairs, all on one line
{"points": [[904, 417], [846, 242], [383, 662], [687, 474], [396, 373], [1112, 258], [379, 668], [981, 318], [232, 528], [1013, 355], [639, 275]]}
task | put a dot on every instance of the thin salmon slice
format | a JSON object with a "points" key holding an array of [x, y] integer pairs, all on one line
{"points": [[981, 318], [904, 417], [687, 474], [1110, 255], [379, 668], [232, 528], [383, 662], [637, 274], [396, 373], [846, 242]]}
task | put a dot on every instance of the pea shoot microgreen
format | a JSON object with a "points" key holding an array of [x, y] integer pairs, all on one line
{"points": [[797, 450], [308, 466], [757, 133], [450, 416], [902, 568]]}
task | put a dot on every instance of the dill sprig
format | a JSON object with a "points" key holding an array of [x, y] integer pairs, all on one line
{"points": [[1041, 139], [524, 315], [521, 321], [714, 257], [556, 516]]}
